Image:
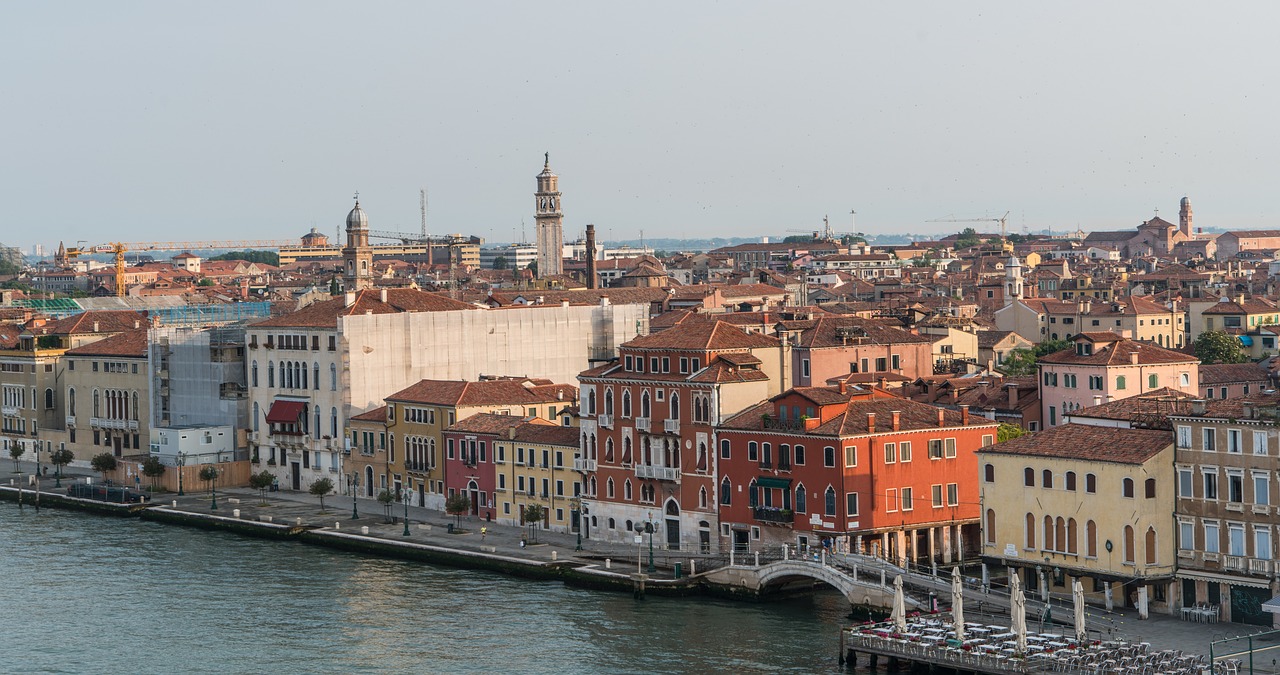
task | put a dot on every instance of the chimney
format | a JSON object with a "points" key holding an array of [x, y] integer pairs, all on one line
{"points": [[1133, 358], [382, 295], [511, 432], [964, 414], [1198, 407], [136, 324], [942, 417], [1013, 394], [591, 257], [1097, 399], [843, 387], [871, 423], [896, 416], [349, 299], [95, 326]]}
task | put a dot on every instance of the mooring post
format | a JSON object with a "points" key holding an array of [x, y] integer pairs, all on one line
{"points": [[757, 558]]}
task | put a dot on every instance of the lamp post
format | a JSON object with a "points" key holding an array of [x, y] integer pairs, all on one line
{"points": [[213, 488], [408, 497], [181, 460], [37, 476], [648, 528], [353, 485], [576, 505]]}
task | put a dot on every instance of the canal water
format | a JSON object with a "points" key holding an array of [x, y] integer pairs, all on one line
{"points": [[89, 594]]}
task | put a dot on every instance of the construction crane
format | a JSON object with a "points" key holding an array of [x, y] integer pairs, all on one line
{"points": [[118, 249], [422, 203], [1000, 220]]}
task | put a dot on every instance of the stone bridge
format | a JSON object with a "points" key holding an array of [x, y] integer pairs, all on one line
{"points": [[763, 579]]}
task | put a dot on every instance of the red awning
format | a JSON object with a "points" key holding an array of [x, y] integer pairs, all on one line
{"points": [[285, 412]]}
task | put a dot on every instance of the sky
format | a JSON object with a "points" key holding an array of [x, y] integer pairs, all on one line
{"points": [[188, 121]]}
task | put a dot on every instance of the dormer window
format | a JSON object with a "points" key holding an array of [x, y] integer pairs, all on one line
{"points": [[1084, 348]]}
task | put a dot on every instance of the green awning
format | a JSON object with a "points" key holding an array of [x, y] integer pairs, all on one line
{"points": [[773, 482]]}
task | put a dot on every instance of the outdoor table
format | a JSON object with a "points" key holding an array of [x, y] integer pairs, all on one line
{"points": [[1057, 645], [1035, 638], [980, 631], [987, 648], [974, 641], [1005, 636]]}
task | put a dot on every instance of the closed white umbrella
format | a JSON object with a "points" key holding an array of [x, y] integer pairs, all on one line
{"points": [[899, 615], [957, 603], [1077, 596], [1018, 612]]}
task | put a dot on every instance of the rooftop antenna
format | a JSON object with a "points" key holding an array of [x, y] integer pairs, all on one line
{"points": [[422, 203]]}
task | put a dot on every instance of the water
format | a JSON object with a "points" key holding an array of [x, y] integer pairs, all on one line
{"points": [[87, 594]]}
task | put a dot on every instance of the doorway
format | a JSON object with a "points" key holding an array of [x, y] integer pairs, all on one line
{"points": [[115, 444], [297, 475], [673, 525], [741, 541]]}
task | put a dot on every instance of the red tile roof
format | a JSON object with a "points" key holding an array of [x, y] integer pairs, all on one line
{"points": [[378, 414], [132, 343], [1089, 443], [712, 336], [526, 429], [1116, 352], [461, 393], [1227, 373], [324, 314], [95, 322]]}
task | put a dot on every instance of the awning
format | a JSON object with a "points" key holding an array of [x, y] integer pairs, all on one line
{"points": [[783, 483], [1246, 340], [1272, 605], [285, 412]]}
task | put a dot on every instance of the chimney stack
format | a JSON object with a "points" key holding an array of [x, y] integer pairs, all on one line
{"points": [[95, 326], [964, 414], [349, 299], [1013, 394], [871, 423], [896, 416], [382, 295], [1133, 358], [942, 417], [844, 387], [591, 257]]}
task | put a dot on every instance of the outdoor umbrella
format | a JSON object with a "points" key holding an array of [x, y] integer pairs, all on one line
{"points": [[1018, 612], [1077, 596], [957, 603], [899, 615]]}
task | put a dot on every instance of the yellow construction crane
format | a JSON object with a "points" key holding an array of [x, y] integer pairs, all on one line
{"points": [[118, 249], [1000, 220]]}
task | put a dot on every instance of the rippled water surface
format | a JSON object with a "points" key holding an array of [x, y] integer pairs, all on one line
{"points": [[88, 594]]}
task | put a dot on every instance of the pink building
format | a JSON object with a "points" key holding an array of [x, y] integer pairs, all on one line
{"points": [[1101, 367], [859, 351]]}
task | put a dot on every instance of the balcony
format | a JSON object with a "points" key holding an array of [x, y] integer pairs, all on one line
{"points": [[1236, 507], [605, 421], [643, 424], [104, 423], [1262, 567], [9, 411], [584, 465], [657, 472], [1233, 563], [773, 514], [1261, 509], [71, 421], [671, 426]]}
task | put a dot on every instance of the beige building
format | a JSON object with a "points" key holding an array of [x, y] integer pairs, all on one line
{"points": [[107, 397], [1084, 502]]}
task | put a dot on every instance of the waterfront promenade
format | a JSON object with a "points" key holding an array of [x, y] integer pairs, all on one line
{"points": [[430, 528]]}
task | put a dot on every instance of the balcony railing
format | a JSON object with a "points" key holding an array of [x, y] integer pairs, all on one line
{"points": [[105, 423], [1233, 563], [783, 425], [671, 426], [772, 514], [583, 464], [1259, 566], [605, 421], [9, 411], [71, 420], [642, 424], [657, 472]]}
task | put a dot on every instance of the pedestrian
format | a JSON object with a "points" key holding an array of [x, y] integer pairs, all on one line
{"points": [[488, 515], [521, 543], [483, 531]]}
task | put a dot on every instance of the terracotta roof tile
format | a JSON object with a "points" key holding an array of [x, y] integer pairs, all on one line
{"points": [[1089, 443], [702, 337], [1226, 373], [324, 314], [527, 429], [1116, 352], [132, 343], [461, 393], [378, 414]]}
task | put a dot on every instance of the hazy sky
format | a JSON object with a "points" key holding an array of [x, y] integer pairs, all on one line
{"points": [[193, 120]]}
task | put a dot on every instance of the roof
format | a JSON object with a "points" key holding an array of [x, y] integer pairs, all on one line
{"points": [[852, 421], [700, 336], [990, 338], [324, 314], [1148, 407], [132, 343], [1226, 373], [837, 331], [1089, 443], [526, 429], [461, 393], [378, 414], [1115, 350], [95, 322]]}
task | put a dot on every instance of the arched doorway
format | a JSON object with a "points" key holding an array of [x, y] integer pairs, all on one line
{"points": [[474, 494], [368, 481], [673, 525]]}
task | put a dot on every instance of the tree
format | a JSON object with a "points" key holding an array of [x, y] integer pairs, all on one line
{"points": [[153, 468], [104, 464], [262, 482], [209, 474], [533, 267], [1051, 346], [1215, 346], [269, 257], [15, 451], [968, 237], [205, 282], [1018, 362], [61, 458], [386, 499], [321, 488], [1008, 432], [533, 515], [456, 505], [500, 262]]}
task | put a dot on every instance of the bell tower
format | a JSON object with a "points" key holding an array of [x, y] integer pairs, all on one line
{"points": [[357, 257], [550, 222], [1184, 217]]}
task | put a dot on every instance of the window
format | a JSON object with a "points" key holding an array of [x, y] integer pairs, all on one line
{"points": [[935, 491], [949, 448], [1046, 479], [1184, 437], [989, 473], [1030, 527], [830, 501], [804, 367], [891, 500], [1069, 482], [1128, 544], [851, 504], [1210, 436], [799, 451], [1120, 382], [1211, 536], [1233, 441], [1235, 486], [801, 499], [908, 502], [851, 455], [726, 491], [1090, 483], [1184, 483], [935, 449], [753, 452], [1262, 542], [1029, 477], [1151, 545], [1261, 488], [890, 453], [828, 455], [1210, 477], [990, 526], [724, 448], [1259, 442], [1127, 488], [1235, 539], [1153, 381], [1091, 539], [904, 452], [1186, 535]]}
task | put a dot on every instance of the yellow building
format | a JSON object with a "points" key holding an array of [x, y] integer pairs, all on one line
{"points": [[368, 466], [1088, 502]]}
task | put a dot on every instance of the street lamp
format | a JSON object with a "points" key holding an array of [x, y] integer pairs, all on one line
{"points": [[181, 460], [649, 528], [353, 485], [576, 505], [213, 487], [408, 497]]}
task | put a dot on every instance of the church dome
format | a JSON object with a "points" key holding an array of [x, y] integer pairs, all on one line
{"points": [[357, 220]]}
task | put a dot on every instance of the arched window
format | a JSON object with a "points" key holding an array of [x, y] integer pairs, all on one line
{"points": [[591, 402], [271, 374], [1048, 533], [626, 490], [991, 526], [989, 473], [315, 425], [674, 406], [253, 373], [626, 403], [1091, 539], [830, 501], [333, 422], [1151, 546], [1090, 483], [1072, 536], [1153, 380], [48, 399], [1030, 531], [1120, 382], [608, 401], [1127, 488], [1128, 544], [801, 499], [1029, 477], [608, 451], [302, 375], [702, 498], [256, 413], [626, 450], [726, 491], [644, 403], [134, 411], [1046, 479], [608, 487], [333, 377], [71, 401], [593, 490], [1060, 534], [592, 448], [315, 375], [702, 456], [1150, 488]]}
